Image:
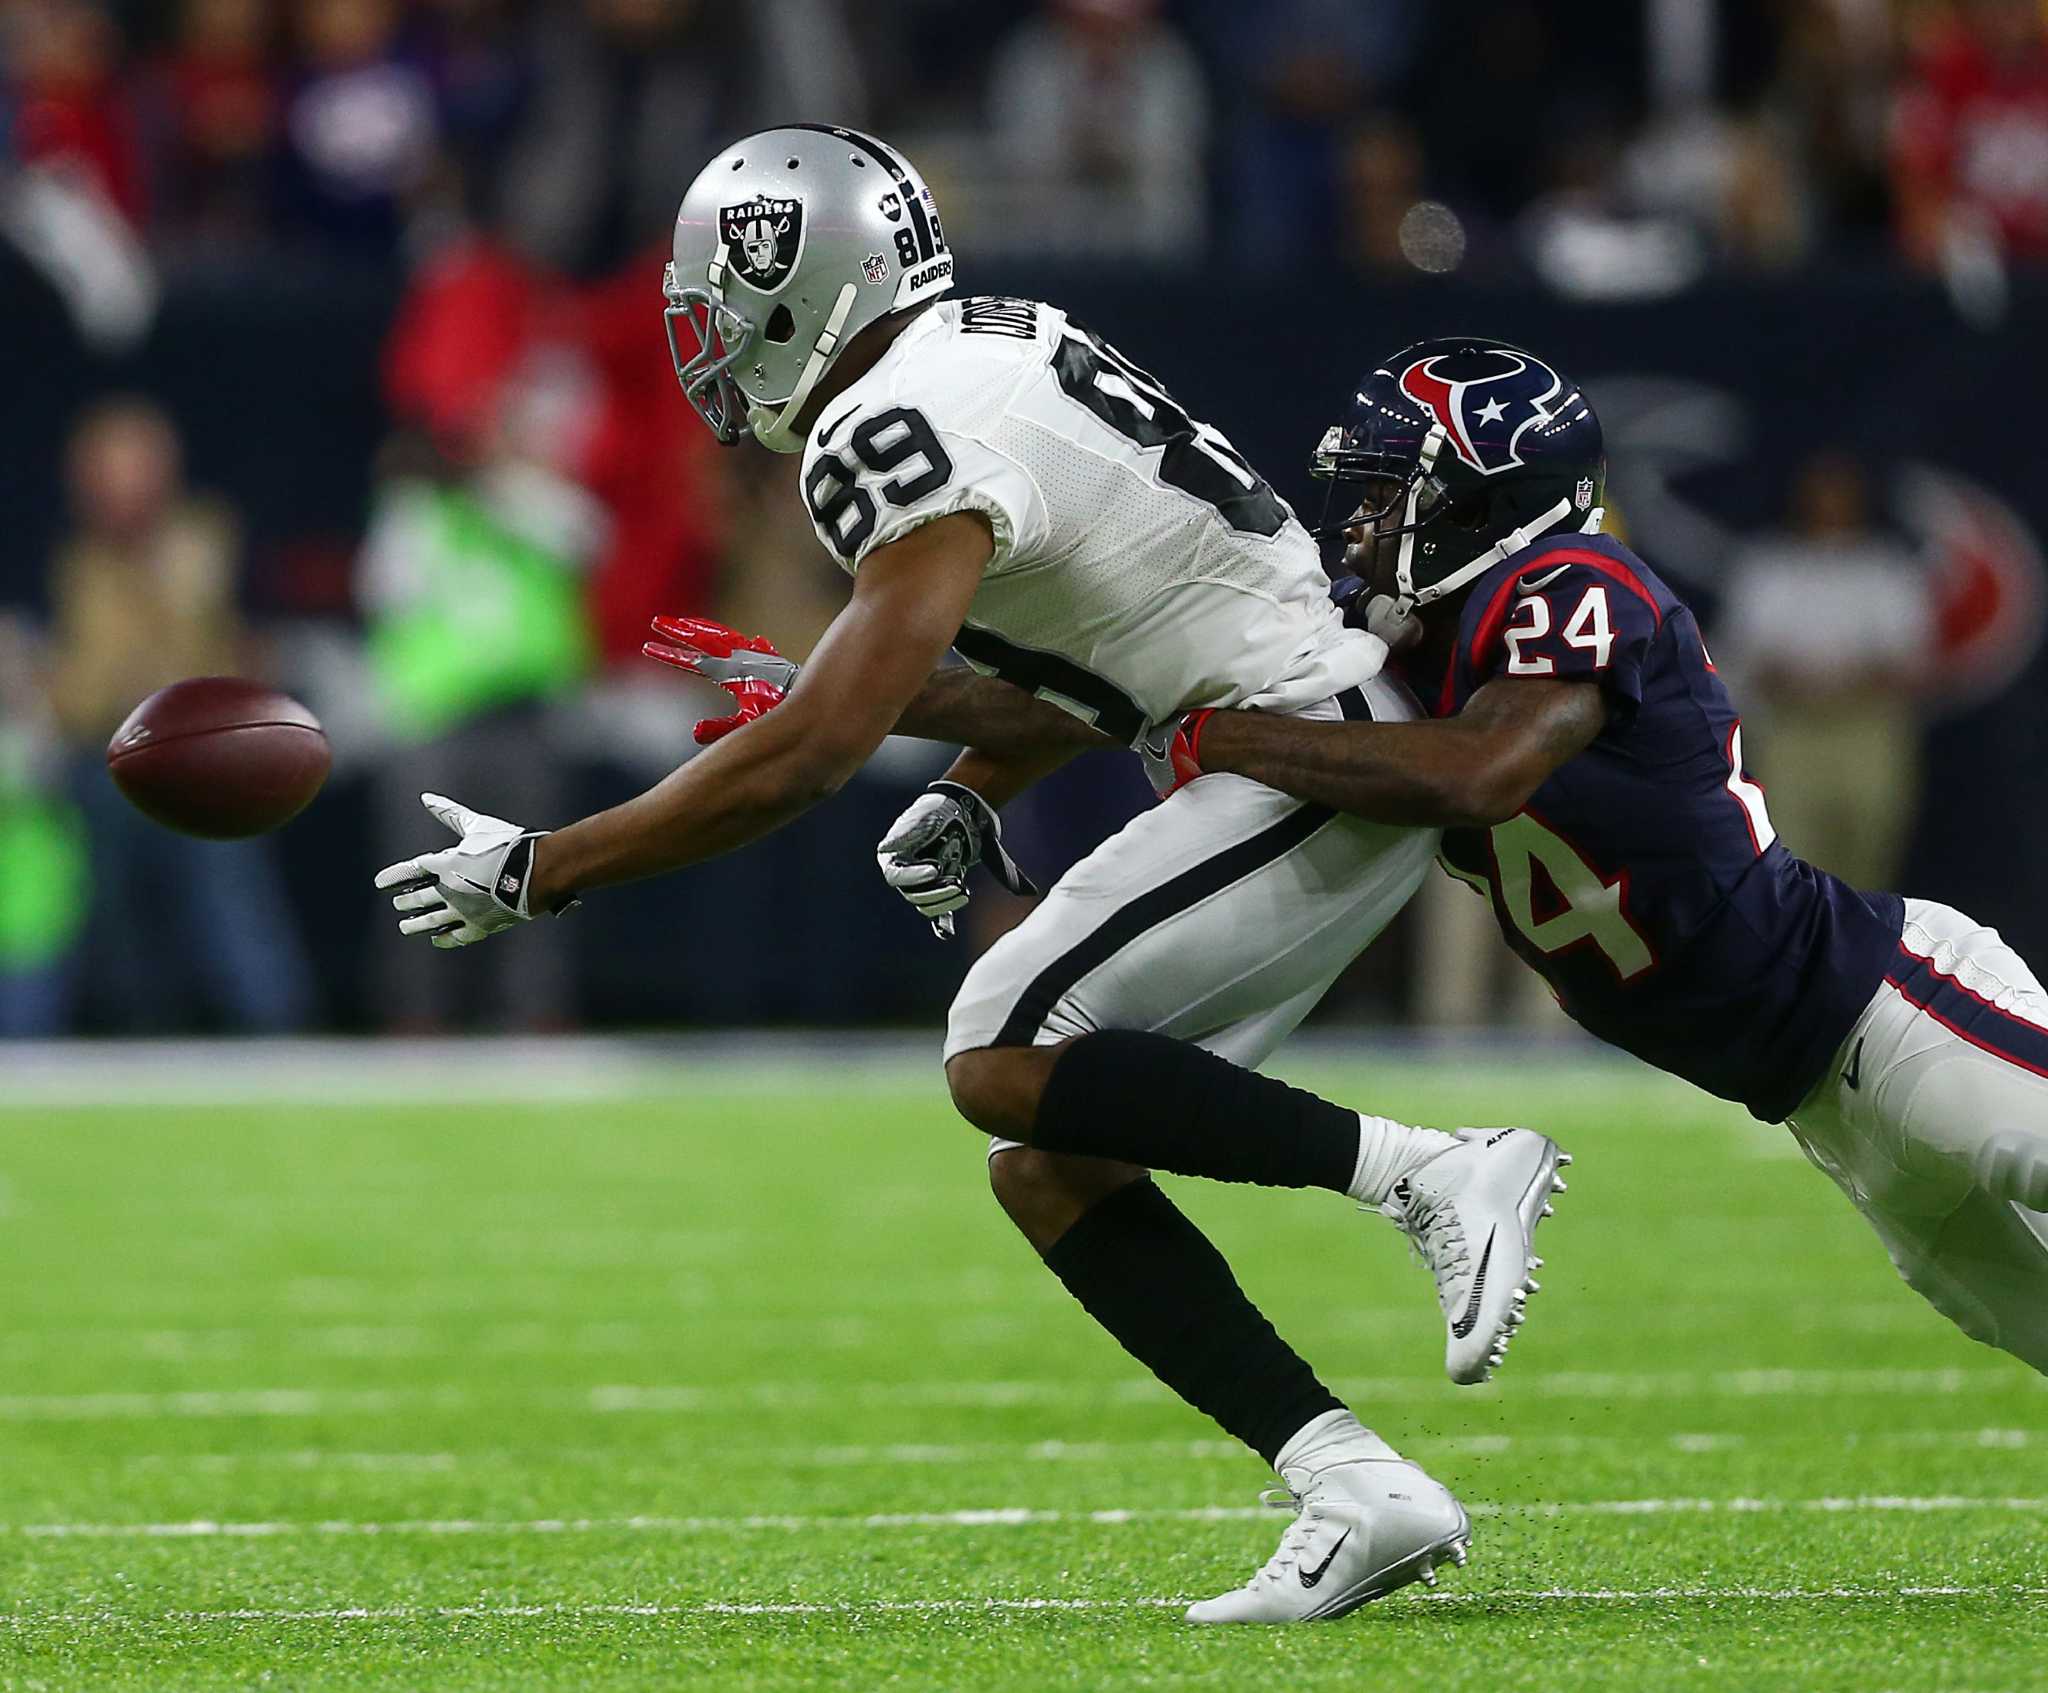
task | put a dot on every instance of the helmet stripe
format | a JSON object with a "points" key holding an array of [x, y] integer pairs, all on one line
{"points": [[866, 143], [899, 173]]}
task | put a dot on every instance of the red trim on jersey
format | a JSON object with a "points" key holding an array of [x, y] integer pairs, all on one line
{"points": [[1495, 616], [1941, 996]]}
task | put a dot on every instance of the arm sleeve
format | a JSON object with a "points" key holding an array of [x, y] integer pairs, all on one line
{"points": [[1575, 622], [885, 471]]}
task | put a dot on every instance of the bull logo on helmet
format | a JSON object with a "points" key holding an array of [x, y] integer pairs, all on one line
{"points": [[1486, 399], [763, 238]]}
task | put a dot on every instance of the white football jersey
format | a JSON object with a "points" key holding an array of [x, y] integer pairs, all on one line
{"points": [[1141, 569]]}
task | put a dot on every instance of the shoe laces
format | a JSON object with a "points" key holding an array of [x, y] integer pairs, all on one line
{"points": [[1295, 1541], [1436, 1233]]}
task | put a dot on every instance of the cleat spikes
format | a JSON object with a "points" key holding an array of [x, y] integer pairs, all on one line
{"points": [[1564, 1157], [1458, 1553], [1535, 1263], [1558, 1184], [1534, 1286], [1548, 1211], [1428, 1574]]}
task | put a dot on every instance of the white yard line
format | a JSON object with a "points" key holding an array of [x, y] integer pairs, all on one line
{"points": [[1366, 1391], [812, 1330], [1000, 1517], [853, 1609], [569, 1069], [918, 1454]]}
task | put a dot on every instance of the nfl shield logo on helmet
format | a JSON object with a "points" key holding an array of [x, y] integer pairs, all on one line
{"points": [[1485, 398], [875, 268], [1582, 496], [763, 238]]}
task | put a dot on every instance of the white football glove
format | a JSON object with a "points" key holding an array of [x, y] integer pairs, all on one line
{"points": [[475, 888], [928, 851]]}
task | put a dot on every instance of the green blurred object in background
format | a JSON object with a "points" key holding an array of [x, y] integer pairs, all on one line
{"points": [[44, 870], [487, 616]]}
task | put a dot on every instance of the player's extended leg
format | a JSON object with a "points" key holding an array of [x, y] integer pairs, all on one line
{"points": [[1218, 918], [1984, 1266], [1369, 1521], [1935, 1121], [1117, 1020]]}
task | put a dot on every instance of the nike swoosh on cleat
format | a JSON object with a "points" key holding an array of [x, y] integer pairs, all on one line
{"points": [[1309, 1578], [1465, 1324]]}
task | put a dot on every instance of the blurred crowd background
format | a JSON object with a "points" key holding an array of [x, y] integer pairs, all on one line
{"points": [[330, 351]]}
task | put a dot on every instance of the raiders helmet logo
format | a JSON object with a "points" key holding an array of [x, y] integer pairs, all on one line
{"points": [[1485, 399], [763, 239]]}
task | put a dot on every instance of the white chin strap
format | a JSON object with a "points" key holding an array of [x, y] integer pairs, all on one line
{"points": [[775, 429], [1512, 542]]}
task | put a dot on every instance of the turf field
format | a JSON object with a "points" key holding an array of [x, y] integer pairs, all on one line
{"points": [[650, 1375]]}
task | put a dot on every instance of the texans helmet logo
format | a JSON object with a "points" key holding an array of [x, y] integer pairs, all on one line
{"points": [[763, 238], [1486, 399]]}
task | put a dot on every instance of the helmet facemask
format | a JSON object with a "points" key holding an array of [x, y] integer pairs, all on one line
{"points": [[723, 337]]}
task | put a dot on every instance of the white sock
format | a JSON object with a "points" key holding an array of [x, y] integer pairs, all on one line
{"points": [[1333, 1434], [1387, 1151]]}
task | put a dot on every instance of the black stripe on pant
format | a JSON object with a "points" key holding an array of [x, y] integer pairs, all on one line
{"points": [[1161, 904]]}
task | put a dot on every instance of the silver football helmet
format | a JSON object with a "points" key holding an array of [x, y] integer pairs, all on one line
{"points": [[788, 244]]}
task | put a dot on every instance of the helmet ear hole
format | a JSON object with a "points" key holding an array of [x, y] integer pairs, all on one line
{"points": [[781, 326]]}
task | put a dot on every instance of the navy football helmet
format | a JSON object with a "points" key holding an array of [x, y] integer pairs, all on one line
{"points": [[1466, 450]]}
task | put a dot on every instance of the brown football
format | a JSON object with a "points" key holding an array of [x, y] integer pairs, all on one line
{"points": [[219, 757]]}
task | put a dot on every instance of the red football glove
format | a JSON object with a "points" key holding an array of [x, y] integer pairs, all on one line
{"points": [[1183, 761], [746, 666]]}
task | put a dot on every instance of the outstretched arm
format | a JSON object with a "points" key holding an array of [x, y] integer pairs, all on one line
{"points": [[1473, 770], [956, 703], [907, 604]]}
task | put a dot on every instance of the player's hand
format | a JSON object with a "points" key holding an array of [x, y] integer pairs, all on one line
{"points": [[928, 851], [1376, 614], [1179, 761], [746, 666], [473, 889]]}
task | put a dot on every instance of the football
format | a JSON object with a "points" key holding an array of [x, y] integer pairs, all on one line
{"points": [[219, 757]]}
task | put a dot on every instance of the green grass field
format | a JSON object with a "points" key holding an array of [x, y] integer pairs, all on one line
{"points": [[734, 1377]]}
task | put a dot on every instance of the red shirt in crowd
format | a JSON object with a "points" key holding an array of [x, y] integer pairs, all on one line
{"points": [[1973, 136], [85, 127]]}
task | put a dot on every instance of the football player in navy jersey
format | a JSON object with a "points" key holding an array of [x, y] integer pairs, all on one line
{"points": [[1585, 764]]}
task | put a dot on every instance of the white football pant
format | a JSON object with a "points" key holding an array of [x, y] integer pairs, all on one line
{"points": [[1934, 1120]]}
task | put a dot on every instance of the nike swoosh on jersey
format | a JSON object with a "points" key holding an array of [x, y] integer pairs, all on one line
{"points": [[1309, 1578], [1536, 584], [831, 429], [1464, 1325]]}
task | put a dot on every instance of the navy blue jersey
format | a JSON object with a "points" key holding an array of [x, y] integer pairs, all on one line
{"points": [[1643, 880]]}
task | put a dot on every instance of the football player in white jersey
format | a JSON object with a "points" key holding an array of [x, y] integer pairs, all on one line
{"points": [[999, 481]]}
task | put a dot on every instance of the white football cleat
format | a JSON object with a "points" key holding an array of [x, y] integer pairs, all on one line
{"points": [[1472, 1214], [1366, 1522]]}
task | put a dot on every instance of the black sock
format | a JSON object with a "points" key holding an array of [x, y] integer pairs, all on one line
{"points": [[1163, 1104], [1150, 1277]]}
